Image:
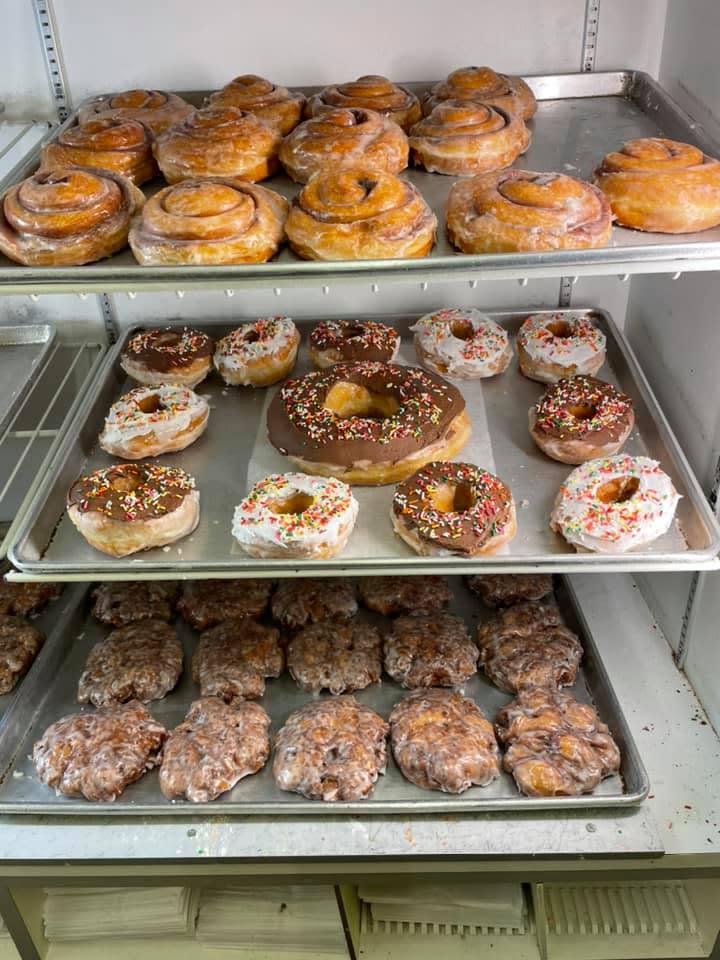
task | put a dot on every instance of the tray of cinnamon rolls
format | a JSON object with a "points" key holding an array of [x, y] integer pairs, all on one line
{"points": [[375, 695], [366, 176], [449, 442]]}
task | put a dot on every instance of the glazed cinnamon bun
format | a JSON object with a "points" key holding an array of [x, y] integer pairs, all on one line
{"points": [[109, 143], [357, 213], [68, 216], [518, 210], [210, 221], [278, 106], [484, 85], [370, 93], [155, 108]]}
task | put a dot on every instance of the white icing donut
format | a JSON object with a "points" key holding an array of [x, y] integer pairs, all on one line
{"points": [[553, 346], [258, 354], [465, 344], [149, 421], [614, 504], [295, 515]]}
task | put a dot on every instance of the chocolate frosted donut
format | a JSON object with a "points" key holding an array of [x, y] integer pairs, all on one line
{"points": [[170, 355], [338, 341], [367, 423]]}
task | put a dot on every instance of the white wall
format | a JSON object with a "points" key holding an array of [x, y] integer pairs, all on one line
{"points": [[24, 87]]}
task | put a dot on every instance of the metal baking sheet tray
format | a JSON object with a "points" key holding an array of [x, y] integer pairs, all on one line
{"points": [[24, 350], [53, 695], [235, 453], [580, 118]]}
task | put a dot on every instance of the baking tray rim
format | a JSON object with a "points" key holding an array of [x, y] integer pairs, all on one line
{"points": [[47, 343], [127, 568]]}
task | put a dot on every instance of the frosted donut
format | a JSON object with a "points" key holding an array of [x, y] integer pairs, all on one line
{"points": [[462, 344], [553, 346], [149, 421], [580, 419], [258, 354], [453, 509], [177, 355], [344, 341], [294, 515], [133, 506], [615, 504]]}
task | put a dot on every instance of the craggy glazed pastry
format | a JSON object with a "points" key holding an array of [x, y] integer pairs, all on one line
{"points": [[154, 108], [462, 138], [661, 185], [370, 93], [518, 211], [142, 661], [133, 506], [545, 656], [234, 658], [278, 106], [298, 602], [110, 143], [331, 750], [149, 421], [555, 746], [178, 355], [121, 604], [614, 504], [67, 216], [393, 595], [504, 589], [26, 599], [553, 346], [526, 617], [484, 85], [19, 645], [359, 213], [294, 515], [96, 755], [430, 650], [442, 741], [215, 746], [453, 509], [339, 657], [210, 221], [461, 344], [258, 354], [367, 423], [580, 419], [344, 137], [347, 341], [218, 142], [205, 603]]}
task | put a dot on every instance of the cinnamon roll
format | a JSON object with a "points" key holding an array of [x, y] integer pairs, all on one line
{"points": [[358, 213], [109, 143], [278, 106], [210, 221], [370, 93], [661, 185], [155, 108], [462, 138], [484, 85], [68, 216], [218, 142], [518, 210], [344, 137]]}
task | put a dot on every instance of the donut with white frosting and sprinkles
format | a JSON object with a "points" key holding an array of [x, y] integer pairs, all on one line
{"points": [[258, 354], [555, 345], [149, 421], [462, 344]]}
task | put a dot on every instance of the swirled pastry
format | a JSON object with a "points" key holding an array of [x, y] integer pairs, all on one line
{"points": [[108, 143], [518, 210], [358, 213], [218, 142], [278, 106], [661, 185], [68, 216], [484, 85], [370, 93], [344, 137], [210, 221], [155, 108], [462, 138]]}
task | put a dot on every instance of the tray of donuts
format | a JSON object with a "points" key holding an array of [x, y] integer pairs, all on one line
{"points": [[380, 695], [510, 440], [482, 163]]}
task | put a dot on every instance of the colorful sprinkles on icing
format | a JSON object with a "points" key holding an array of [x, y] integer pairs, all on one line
{"points": [[488, 340], [371, 335], [153, 491], [537, 338], [183, 349], [612, 409], [252, 341]]}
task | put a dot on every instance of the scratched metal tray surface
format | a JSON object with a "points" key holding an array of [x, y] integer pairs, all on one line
{"points": [[235, 453], [24, 349], [53, 695], [580, 118]]}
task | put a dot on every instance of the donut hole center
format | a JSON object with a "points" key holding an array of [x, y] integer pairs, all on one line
{"points": [[462, 330], [560, 328], [167, 338], [297, 503], [150, 404], [350, 333], [252, 336], [347, 400], [582, 411], [618, 490], [125, 484], [453, 498]]}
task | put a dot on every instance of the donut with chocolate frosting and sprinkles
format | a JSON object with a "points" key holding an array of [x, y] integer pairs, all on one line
{"points": [[347, 341], [178, 355]]}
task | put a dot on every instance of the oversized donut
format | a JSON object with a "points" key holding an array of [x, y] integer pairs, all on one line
{"points": [[553, 346], [258, 354], [346, 341], [461, 344], [177, 355], [149, 421]]}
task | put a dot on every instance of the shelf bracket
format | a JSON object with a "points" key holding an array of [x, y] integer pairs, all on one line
{"points": [[53, 58], [107, 310], [590, 33], [565, 293]]}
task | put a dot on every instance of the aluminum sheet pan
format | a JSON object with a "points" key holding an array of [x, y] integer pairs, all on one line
{"points": [[54, 695], [24, 350], [580, 118], [235, 453]]}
